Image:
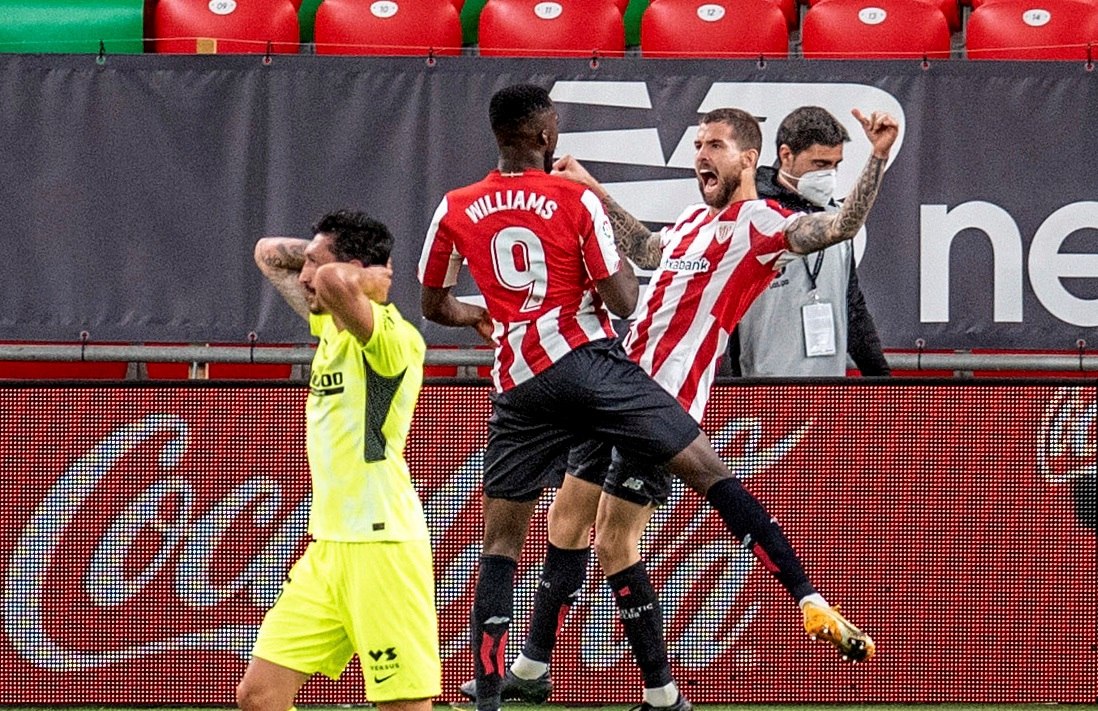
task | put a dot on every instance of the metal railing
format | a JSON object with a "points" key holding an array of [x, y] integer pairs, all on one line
{"points": [[958, 362]]}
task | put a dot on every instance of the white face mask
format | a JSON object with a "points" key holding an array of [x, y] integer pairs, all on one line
{"points": [[816, 186]]}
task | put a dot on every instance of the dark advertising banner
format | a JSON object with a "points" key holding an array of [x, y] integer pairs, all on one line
{"points": [[135, 186], [151, 528]]}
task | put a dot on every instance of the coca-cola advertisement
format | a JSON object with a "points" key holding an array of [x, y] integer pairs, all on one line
{"points": [[146, 529]]}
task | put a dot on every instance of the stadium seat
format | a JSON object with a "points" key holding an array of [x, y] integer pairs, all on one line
{"points": [[950, 8], [874, 29], [1025, 30], [790, 9], [392, 27], [733, 29], [72, 26], [551, 28], [306, 18], [225, 27]]}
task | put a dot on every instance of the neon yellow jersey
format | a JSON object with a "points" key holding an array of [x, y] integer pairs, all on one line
{"points": [[361, 398]]}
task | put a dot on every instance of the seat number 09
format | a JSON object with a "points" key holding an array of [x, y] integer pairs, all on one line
{"points": [[518, 258]]}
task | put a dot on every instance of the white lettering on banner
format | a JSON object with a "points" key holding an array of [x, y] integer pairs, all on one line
{"points": [[659, 200], [702, 642], [1047, 265], [193, 536], [1067, 438], [108, 584]]}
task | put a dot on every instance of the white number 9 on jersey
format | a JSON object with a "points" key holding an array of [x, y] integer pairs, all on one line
{"points": [[519, 261]]}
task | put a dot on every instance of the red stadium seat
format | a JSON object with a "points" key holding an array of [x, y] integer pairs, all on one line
{"points": [[714, 29], [790, 9], [949, 8], [874, 29], [551, 28], [1025, 29], [225, 27], [392, 27]]}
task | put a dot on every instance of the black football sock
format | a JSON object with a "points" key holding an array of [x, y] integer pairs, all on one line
{"points": [[748, 521], [562, 578], [642, 617], [493, 606]]}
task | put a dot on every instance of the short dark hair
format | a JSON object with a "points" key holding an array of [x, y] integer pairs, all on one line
{"points": [[808, 126], [356, 235], [745, 127], [513, 111]]}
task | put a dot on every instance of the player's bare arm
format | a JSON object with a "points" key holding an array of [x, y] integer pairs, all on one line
{"points": [[633, 239], [280, 259], [620, 291], [817, 231], [440, 306], [346, 290]]}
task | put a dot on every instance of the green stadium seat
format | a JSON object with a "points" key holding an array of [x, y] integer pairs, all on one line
{"points": [[72, 26]]}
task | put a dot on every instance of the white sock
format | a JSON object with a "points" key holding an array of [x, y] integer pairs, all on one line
{"points": [[663, 696], [815, 599], [525, 668]]}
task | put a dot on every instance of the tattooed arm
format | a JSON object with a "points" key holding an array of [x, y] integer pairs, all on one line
{"points": [[281, 259], [633, 239], [818, 230]]}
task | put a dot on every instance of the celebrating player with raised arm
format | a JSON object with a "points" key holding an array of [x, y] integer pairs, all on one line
{"points": [[587, 387]]}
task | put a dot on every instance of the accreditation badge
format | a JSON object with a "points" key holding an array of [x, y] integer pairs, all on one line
{"points": [[819, 329]]}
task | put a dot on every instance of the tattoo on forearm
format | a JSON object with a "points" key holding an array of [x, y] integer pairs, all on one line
{"points": [[818, 230], [291, 291], [288, 256], [634, 239], [281, 262]]}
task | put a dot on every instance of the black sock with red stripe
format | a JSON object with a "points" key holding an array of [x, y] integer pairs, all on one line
{"points": [[748, 521], [493, 607], [562, 578], [642, 617]]}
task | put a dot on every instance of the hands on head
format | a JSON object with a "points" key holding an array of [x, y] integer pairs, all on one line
{"points": [[881, 128], [377, 282]]}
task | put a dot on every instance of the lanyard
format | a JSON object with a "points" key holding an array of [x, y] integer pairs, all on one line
{"points": [[815, 270]]}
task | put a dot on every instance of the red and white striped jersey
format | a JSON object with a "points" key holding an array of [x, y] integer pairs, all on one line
{"points": [[713, 267], [535, 245]]}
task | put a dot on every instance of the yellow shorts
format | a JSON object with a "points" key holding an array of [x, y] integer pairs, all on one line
{"points": [[373, 599]]}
